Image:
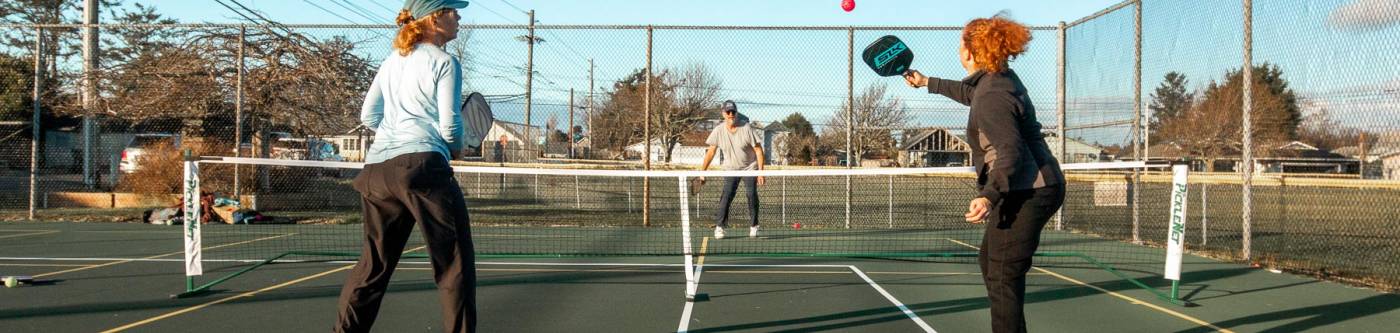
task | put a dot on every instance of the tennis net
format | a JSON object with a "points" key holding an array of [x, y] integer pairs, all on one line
{"points": [[309, 211]]}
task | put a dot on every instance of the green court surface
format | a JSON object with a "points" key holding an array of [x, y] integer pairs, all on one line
{"points": [[100, 277]]}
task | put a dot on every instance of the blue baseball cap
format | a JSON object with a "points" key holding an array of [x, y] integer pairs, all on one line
{"points": [[421, 8], [729, 106]]}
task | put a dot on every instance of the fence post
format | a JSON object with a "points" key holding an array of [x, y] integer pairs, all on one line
{"points": [[1205, 213], [850, 112], [529, 84], [646, 138], [238, 113], [1247, 153], [1139, 150], [1061, 113], [34, 124], [89, 94]]}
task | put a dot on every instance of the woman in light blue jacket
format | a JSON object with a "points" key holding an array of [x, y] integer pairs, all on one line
{"points": [[413, 108]]}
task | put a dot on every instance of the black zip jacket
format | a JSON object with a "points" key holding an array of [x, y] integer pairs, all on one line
{"points": [[1008, 150]]}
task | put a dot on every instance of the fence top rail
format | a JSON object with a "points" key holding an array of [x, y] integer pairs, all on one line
{"points": [[1103, 12], [509, 26]]}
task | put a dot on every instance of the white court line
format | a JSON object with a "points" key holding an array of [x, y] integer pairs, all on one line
{"points": [[35, 233], [690, 302], [685, 315], [897, 303], [410, 262]]}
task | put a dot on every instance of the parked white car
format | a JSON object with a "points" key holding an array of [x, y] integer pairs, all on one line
{"points": [[131, 155]]}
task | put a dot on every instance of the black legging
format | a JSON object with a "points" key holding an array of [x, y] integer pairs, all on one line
{"points": [[731, 184], [1011, 238]]}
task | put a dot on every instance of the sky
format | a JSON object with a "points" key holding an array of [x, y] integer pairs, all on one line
{"points": [[670, 12], [771, 74], [1339, 54]]}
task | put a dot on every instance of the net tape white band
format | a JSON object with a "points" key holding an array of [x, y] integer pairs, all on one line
{"points": [[671, 173]]}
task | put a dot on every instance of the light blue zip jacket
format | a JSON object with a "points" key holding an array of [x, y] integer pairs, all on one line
{"points": [[412, 106]]}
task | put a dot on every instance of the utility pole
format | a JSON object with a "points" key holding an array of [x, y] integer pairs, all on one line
{"points": [[89, 89]]}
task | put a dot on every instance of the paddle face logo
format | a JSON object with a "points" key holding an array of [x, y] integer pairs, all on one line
{"points": [[889, 54]]}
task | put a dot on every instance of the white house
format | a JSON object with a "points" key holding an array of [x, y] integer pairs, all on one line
{"points": [[774, 145], [680, 154], [1076, 151], [506, 142]]}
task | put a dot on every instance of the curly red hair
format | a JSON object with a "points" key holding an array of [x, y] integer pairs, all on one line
{"points": [[994, 41], [412, 30]]}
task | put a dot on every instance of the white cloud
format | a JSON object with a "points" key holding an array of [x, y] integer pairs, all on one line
{"points": [[1366, 15]]}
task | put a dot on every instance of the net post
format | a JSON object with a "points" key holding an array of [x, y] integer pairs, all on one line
{"points": [[192, 233], [891, 201], [1176, 290], [578, 201], [691, 285], [1176, 230]]}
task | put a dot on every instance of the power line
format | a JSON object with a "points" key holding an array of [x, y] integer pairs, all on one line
{"points": [[376, 3], [507, 2], [488, 9], [313, 4], [361, 11]]}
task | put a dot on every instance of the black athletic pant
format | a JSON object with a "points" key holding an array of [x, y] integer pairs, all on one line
{"points": [[396, 193], [1011, 238], [731, 185]]}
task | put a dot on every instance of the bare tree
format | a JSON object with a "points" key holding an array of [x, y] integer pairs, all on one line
{"points": [[694, 95], [1320, 130], [876, 115]]}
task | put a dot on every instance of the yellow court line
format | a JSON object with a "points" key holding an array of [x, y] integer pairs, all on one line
{"points": [[156, 256], [36, 233], [225, 299], [704, 245], [1130, 299], [247, 294]]}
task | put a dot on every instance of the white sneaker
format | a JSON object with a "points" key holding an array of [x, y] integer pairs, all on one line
{"points": [[753, 232], [719, 233]]}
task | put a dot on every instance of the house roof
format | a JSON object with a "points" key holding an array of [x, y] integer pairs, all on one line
{"points": [[926, 133], [776, 127]]}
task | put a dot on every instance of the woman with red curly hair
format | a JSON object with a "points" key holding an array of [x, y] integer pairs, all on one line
{"points": [[1020, 182], [412, 106]]}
